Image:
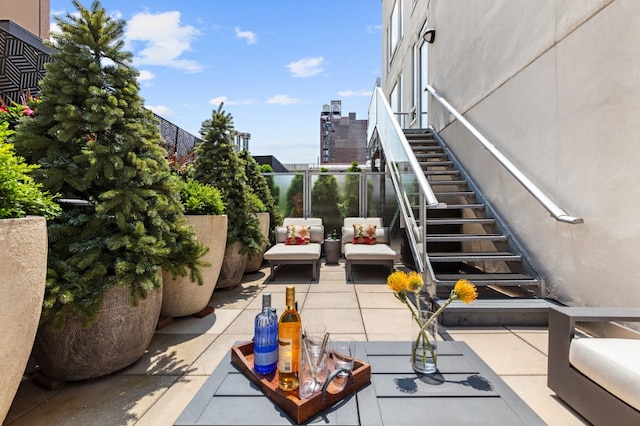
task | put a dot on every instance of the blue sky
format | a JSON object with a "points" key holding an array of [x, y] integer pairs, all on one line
{"points": [[273, 63]]}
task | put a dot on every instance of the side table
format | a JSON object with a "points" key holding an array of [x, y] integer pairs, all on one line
{"points": [[331, 251]]}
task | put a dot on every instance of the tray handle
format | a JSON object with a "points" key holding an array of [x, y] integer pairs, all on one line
{"points": [[332, 376]]}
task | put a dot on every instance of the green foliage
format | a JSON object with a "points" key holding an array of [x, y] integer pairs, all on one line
{"points": [[218, 164], [95, 141], [201, 199], [20, 195], [350, 204], [260, 186], [294, 198], [273, 188], [326, 200]]}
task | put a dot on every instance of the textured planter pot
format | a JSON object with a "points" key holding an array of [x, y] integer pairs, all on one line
{"points": [[118, 337], [23, 271], [232, 267], [254, 262], [180, 295]]}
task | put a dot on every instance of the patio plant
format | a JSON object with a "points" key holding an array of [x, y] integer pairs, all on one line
{"points": [[24, 208], [97, 145], [218, 164], [325, 201]]}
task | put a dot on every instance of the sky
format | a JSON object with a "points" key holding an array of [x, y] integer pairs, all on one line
{"points": [[273, 63]]}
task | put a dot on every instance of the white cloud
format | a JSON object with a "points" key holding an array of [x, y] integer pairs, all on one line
{"points": [[249, 36], [373, 28], [228, 102], [282, 100], [145, 76], [161, 110], [164, 38], [352, 93], [306, 67]]}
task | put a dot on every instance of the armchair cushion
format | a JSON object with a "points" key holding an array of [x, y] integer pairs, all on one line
{"points": [[612, 363]]}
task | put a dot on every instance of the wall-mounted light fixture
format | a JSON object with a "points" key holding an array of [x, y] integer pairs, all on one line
{"points": [[429, 35]]}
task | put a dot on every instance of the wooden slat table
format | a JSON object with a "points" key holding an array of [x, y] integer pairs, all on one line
{"points": [[464, 391]]}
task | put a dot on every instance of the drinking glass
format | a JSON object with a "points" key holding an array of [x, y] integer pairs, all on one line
{"points": [[314, 368], [344, 354]]}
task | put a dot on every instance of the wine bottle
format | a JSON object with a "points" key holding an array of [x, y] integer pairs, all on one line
{"points": [[265, 339], [289, 340]]}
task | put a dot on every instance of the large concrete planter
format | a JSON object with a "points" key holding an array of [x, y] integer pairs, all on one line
{"points": [[254, 262], [118, 337], [180, 295], [232, 267], [23, 271]]}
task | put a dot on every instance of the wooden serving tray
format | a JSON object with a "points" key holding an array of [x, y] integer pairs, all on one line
{"points": [[299, 410]]}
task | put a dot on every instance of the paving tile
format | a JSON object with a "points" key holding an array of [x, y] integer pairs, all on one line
{"points": [[539, 340], [331, 287], [372, 288], [171, 404], [380, 300], [337, 321], [211, 357], [534, 391], [114, 399], [244, 323], [170, 354], [214, 323], [331, 300], [386, 321], [506, 354]]}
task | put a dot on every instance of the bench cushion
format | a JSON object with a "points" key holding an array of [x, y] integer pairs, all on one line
{"points": [[283, 252], [612, 363], [369, 252]]}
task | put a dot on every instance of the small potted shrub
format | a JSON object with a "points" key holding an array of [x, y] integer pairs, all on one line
{"points": [[204, 210], [24, 209]]}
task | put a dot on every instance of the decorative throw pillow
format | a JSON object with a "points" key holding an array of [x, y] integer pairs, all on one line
{"points": [[364, 234], [298, 235]]}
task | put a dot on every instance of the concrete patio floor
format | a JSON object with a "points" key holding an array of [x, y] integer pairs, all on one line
{"points": [[156, 389]]}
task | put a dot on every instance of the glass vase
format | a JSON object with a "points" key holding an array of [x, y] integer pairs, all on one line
{"points": [[424, 347]]}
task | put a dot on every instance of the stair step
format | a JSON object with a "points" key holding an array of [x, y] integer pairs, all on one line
{"points": [[442, 173], [497, 312], [430, 155], [447, 182], [461, 221], [474, 206], [487, 279], [441, 238], [442, 257], [455, 194], [435, 163]]}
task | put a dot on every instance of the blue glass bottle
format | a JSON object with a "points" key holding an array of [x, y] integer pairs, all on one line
{"points": [[265, 340]]}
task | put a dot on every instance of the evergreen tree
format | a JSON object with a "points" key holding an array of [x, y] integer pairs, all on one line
{"points": [[275, 189], [95, 142], [325, 199], [218, 164], [351, 192], [259, 185], [294, 197]]}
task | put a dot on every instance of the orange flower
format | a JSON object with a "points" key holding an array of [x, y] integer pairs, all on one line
{"points": [[414, 281], [465, 291], [398, 282]]}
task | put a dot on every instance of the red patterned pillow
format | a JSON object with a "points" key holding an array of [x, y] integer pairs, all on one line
{"points": [[297, 235], [364, 234]]}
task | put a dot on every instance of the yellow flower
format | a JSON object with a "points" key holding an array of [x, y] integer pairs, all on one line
{"points": [[465, 291], [414, 281], [398, 281]]}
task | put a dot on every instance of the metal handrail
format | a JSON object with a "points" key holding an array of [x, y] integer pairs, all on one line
{"points": [[431, 199], [559, 214]]}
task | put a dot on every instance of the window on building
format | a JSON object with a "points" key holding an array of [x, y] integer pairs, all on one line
{"points": [[395, 28]]}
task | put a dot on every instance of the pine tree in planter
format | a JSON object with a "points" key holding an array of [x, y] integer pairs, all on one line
{"points": [[95, 142], [218, 164], [260, 186], [325, 200]]}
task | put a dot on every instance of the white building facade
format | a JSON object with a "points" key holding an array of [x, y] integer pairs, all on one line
{"points": [[555, 86]]}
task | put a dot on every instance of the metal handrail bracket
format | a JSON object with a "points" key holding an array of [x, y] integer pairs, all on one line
{"points": [[556, 212]]}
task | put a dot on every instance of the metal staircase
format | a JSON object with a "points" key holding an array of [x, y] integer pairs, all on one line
{"points": [[468, 239]]}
